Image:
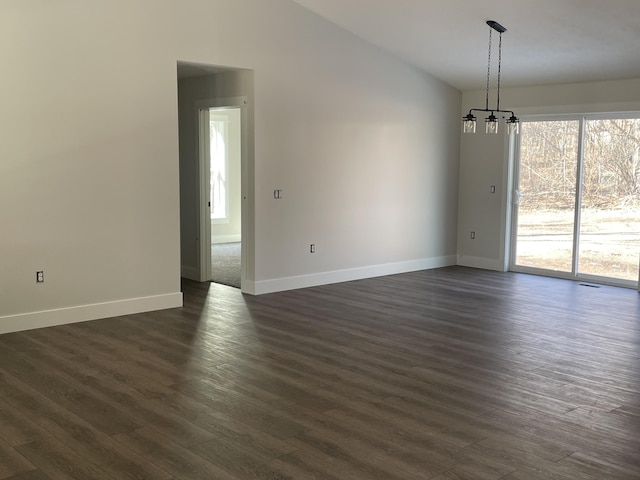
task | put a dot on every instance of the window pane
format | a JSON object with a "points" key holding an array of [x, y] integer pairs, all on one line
{"points": [[218, 161], [547, 186], [609, 227]]}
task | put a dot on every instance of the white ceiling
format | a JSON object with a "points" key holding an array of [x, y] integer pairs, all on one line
{"points": [[547, 42]]}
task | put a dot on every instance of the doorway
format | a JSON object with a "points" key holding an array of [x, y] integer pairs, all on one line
{"points": [[220, 138], [577, 191], [200, 88]]}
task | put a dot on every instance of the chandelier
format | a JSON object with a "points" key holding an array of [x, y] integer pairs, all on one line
{"points": [[491, 122]]}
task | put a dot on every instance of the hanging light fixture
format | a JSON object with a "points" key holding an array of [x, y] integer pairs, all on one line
{"points": [[491, 122]]}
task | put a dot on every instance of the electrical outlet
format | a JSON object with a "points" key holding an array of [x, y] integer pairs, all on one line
{"points": [[473, 235], [40, 276], [312, 248]]}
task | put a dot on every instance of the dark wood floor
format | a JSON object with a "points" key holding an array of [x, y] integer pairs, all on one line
{"points": [[444, 374]]}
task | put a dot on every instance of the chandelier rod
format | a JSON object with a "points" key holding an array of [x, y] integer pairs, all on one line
{"points": [[499, 69], [486, 101]]}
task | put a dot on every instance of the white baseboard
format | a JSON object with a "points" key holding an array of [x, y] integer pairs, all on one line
{"points": [[481, 262], [189, 272], [347, 275], [82, 313], [226, 238]]}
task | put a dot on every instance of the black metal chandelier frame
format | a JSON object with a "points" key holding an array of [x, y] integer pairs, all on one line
{"points": [[491, 122]]}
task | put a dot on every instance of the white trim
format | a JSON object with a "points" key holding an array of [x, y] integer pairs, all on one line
{"points": [[481, 262], [577, 209], [204, 185], [514, 200], [83, 313], [506, 204], [347, 275]]}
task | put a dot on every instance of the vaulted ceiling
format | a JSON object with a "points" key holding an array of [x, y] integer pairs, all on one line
{"points": [[547, 41]]}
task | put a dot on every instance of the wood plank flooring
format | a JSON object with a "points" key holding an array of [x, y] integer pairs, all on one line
{"points": [[445, 374]]}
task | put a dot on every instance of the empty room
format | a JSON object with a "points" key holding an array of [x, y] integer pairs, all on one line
{"points": [[433, 209]]}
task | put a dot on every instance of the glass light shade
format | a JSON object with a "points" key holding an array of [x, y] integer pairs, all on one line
{"points": [[513, 125], [491, 125], [469, 123], [469, 126]]}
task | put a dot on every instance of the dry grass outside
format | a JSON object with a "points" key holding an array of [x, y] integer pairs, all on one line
{"points": [[609, 241]]}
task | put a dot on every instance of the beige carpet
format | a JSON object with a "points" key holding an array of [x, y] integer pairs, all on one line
{"points": [[225, 264]]}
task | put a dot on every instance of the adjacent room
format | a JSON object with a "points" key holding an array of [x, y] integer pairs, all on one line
{"points": [[319, 239]]}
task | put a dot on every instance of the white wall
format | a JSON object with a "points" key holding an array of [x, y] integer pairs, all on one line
{"points": [[485, 160], [88, 176], [364, 147], [361, 143], [366, 150], [189, 91]]}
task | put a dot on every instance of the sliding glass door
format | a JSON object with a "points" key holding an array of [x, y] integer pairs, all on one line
{"points": [[546, 195], [577, 196]]}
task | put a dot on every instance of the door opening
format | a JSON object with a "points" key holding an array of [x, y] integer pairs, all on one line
{"points": [[221, 139], [577, 191]]}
